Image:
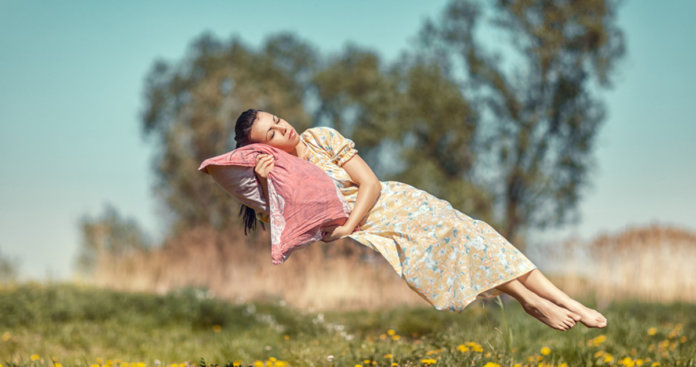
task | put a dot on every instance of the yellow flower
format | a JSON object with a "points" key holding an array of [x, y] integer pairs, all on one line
{"points": [[140, 364], [655, 364], [597, 340], [652, 331], [388, 356], [608, 358], [517, 365], [258, 364], [639, 362], [237, 363], [627, 361], [281, 364], [462, 348], [491, 364], [683, 339], [391, 332], [396, 337], [393, 364], [563, 364], [217, 328], [358, 365], [6, 336], [286, 337], [367, 361], [34, 357], [94, 365], [428, 361], [58, 365], [545, 351]]}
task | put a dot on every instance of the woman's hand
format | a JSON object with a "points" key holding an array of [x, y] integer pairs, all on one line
{"points": [[264, 165], [330, 234]]}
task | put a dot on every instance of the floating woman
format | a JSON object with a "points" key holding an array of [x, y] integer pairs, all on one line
{"points": [[445, 256]]}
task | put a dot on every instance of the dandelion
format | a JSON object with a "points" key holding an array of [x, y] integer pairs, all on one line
{"points": [[608, 358], [563, 364], [94, 365], [358, 365], [639, 362], [428, 361], [140, 364], [627, 361], [258, 364], [34, 357], [396, 337], [545, 351], [491, 364], [237, 363], [517, 365], [652, 331], [388, 356], [394, 364], [595, 342], [58, 365], [655, 364], [391, 332], [462, 348]]}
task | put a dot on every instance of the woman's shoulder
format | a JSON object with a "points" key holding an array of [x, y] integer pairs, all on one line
{"points": [[321, 135]]}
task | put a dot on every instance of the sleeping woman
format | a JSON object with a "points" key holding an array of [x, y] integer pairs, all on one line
{"points": [[444, 255]]}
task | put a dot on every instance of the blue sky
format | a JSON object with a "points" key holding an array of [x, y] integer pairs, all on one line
{"points": [[72, 82]]}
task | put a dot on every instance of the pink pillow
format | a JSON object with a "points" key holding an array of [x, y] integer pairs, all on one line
{"points": [[303, 197]]}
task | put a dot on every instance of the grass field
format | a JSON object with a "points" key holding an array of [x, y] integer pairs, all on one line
{"points": [[66, 324]]}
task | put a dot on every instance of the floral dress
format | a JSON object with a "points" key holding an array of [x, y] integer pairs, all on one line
{"points": [[444, 255]]}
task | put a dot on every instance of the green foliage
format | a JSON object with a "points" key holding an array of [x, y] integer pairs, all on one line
{"points": [[78, 325]]}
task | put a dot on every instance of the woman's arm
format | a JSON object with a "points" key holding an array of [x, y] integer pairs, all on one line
{"points": [[369, 190]]}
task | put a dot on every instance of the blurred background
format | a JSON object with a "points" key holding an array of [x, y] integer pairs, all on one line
{"points": [[569, 128]]}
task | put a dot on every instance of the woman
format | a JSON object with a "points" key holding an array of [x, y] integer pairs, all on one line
{"points": [[444, 255]]}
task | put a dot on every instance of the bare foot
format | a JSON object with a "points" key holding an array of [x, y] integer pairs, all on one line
{"points": [[551, 314], [589, 317]]}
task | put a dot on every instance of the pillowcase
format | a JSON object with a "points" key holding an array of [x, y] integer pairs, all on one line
{"points": [[302, 197]]}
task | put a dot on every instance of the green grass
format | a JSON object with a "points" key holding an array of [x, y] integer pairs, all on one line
{"points": [[80, 325]]}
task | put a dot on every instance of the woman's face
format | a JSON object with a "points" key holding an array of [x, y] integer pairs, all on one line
{"points": [[274, 131]]}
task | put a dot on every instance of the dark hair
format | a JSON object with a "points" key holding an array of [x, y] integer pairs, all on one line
{"points": [[242, 130]]}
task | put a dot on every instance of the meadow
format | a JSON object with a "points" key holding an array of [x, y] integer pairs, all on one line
{"points": [[66, 324]]}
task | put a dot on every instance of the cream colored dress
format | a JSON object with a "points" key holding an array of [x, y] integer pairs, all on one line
{"points": [[444, 255]]}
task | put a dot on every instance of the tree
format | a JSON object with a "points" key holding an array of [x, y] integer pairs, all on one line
{"points": [[192, 108], [111, 235], [540, 117]]}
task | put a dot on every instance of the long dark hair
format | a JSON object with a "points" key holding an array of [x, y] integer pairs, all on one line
{"points": [[242, 130]]}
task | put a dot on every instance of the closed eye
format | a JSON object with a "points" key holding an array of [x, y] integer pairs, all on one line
{"points": [[277, 121]]}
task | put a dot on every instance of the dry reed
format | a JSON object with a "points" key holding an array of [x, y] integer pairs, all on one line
{"points": [[654, 263]]}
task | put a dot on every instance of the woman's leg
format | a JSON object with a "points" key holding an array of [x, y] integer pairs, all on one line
{"points": [[541, 308], [539, 284]]}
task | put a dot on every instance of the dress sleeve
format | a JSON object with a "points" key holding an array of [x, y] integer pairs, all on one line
{"points": [[339, 148]]}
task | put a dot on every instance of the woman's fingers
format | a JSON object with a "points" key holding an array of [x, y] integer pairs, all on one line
{"points": [[264, 164]]}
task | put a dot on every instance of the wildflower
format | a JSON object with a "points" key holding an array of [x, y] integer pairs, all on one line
{"points": [[391, 332], [280, 364], [258, 364], [517, 365], [94, 365], [563, 364], [6, 336], [545, 351], [596, 341], [382, 336], [217, 328], [393, 364], [286, 337], [140, 364], [34, 357], [462, 348], [388, 356], [683, 339], [639, 362], [491, 364], [608, 357], [237, 363], [428, 361], [652, 331], [655, 364], [56, 365], [358, 365], [367, 361], [396, 337], [627, 361]]}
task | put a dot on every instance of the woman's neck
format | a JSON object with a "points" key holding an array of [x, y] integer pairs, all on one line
{"points": [[300, 150]]}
